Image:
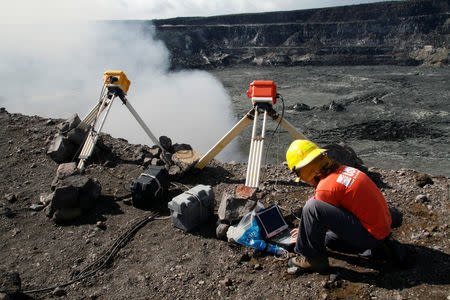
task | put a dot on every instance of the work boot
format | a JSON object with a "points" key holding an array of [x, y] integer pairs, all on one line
{"points": [[309, 264], [394, 251]]}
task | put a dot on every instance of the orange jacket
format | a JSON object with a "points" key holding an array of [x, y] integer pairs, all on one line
{"points": [[354, 191]]}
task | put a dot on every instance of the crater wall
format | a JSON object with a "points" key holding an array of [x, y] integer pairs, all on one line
{"points": [[396, 33]]}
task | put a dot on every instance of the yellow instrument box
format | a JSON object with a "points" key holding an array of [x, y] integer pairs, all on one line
{"points": [[117, 78]]}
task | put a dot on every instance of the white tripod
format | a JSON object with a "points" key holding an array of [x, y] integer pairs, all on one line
{"points": [[257, 142]]}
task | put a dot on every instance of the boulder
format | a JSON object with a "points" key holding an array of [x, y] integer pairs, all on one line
{"points": [[77, 136], [69, 124], [186, 159], [155, 151], [66, 169], [179, 147], [423, 179], [64, 215], [345, 155], [175, 171], [138, 154], [232, 209], [73, 195], [61, 149], [166, 143], [89, 193], [65, 196], [301, 107], [335, 106]]}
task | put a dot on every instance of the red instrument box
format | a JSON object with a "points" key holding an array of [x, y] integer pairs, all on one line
{"points": [[263, 91]]}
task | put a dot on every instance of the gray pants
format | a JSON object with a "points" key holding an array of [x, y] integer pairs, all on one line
{"points": [[323, 224]]}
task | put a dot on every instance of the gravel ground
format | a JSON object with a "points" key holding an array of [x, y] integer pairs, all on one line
{"points": [[163, 262]]}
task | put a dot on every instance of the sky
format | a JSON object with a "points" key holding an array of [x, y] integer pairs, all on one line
{"points": [[52, 60], [73, 10]]}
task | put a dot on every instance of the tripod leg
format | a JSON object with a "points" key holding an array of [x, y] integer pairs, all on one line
{"points": [[255, 155], [260, 150], [290, 128], [92, 136], [225, 140], [252, 153], [90, 117], [141, 122]]}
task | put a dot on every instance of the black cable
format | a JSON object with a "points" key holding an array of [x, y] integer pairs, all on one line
{"points": [[101, 261], [276, 128]]}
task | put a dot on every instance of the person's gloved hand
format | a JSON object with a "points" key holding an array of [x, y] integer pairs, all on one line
{"points": [[294, 234]]}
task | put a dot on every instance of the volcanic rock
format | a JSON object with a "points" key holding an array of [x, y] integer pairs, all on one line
{"points": [[155, 151], [345, 155], [301, 107], [423, 179], [333, 106], [69, 124], [66, 169], [181, 147], [77, 135], [61, 149], [166, 143], [232, 209], [72, 195], [186, 159]]}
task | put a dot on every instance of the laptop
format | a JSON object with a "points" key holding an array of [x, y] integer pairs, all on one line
{"points": [[274, 226]]}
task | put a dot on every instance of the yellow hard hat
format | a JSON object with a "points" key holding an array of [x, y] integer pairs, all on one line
{"points": [[301, 153]]}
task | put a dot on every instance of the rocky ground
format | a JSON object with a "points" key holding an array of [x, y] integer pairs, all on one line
{"points": [[158, 261]]}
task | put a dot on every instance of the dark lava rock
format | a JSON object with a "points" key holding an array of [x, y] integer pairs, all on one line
{"points": [[179, 147], [333, 106], [345, 155], [69, 124], [61, 149], [166, 143], [301, 107], [423, 179], [232, 209]]}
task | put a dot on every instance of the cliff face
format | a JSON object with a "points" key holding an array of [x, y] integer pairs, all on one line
{"points": [[404, 33]]}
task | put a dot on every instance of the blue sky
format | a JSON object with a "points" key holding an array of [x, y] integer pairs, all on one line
{"points": [[26, 11]]}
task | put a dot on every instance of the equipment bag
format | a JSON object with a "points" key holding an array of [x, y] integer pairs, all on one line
{"points": [[150, 188], [248, 233]]}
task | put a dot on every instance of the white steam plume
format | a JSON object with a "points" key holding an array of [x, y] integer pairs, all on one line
{"points": [[55, 70]]}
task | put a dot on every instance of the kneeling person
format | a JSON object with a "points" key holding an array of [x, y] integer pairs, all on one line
{"points": [[347, 207]]}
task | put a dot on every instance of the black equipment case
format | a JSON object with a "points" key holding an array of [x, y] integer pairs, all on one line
{"points": [[150, 188]]}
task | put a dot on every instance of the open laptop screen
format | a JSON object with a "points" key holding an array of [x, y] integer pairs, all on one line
{"points": [[271, 221]]}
